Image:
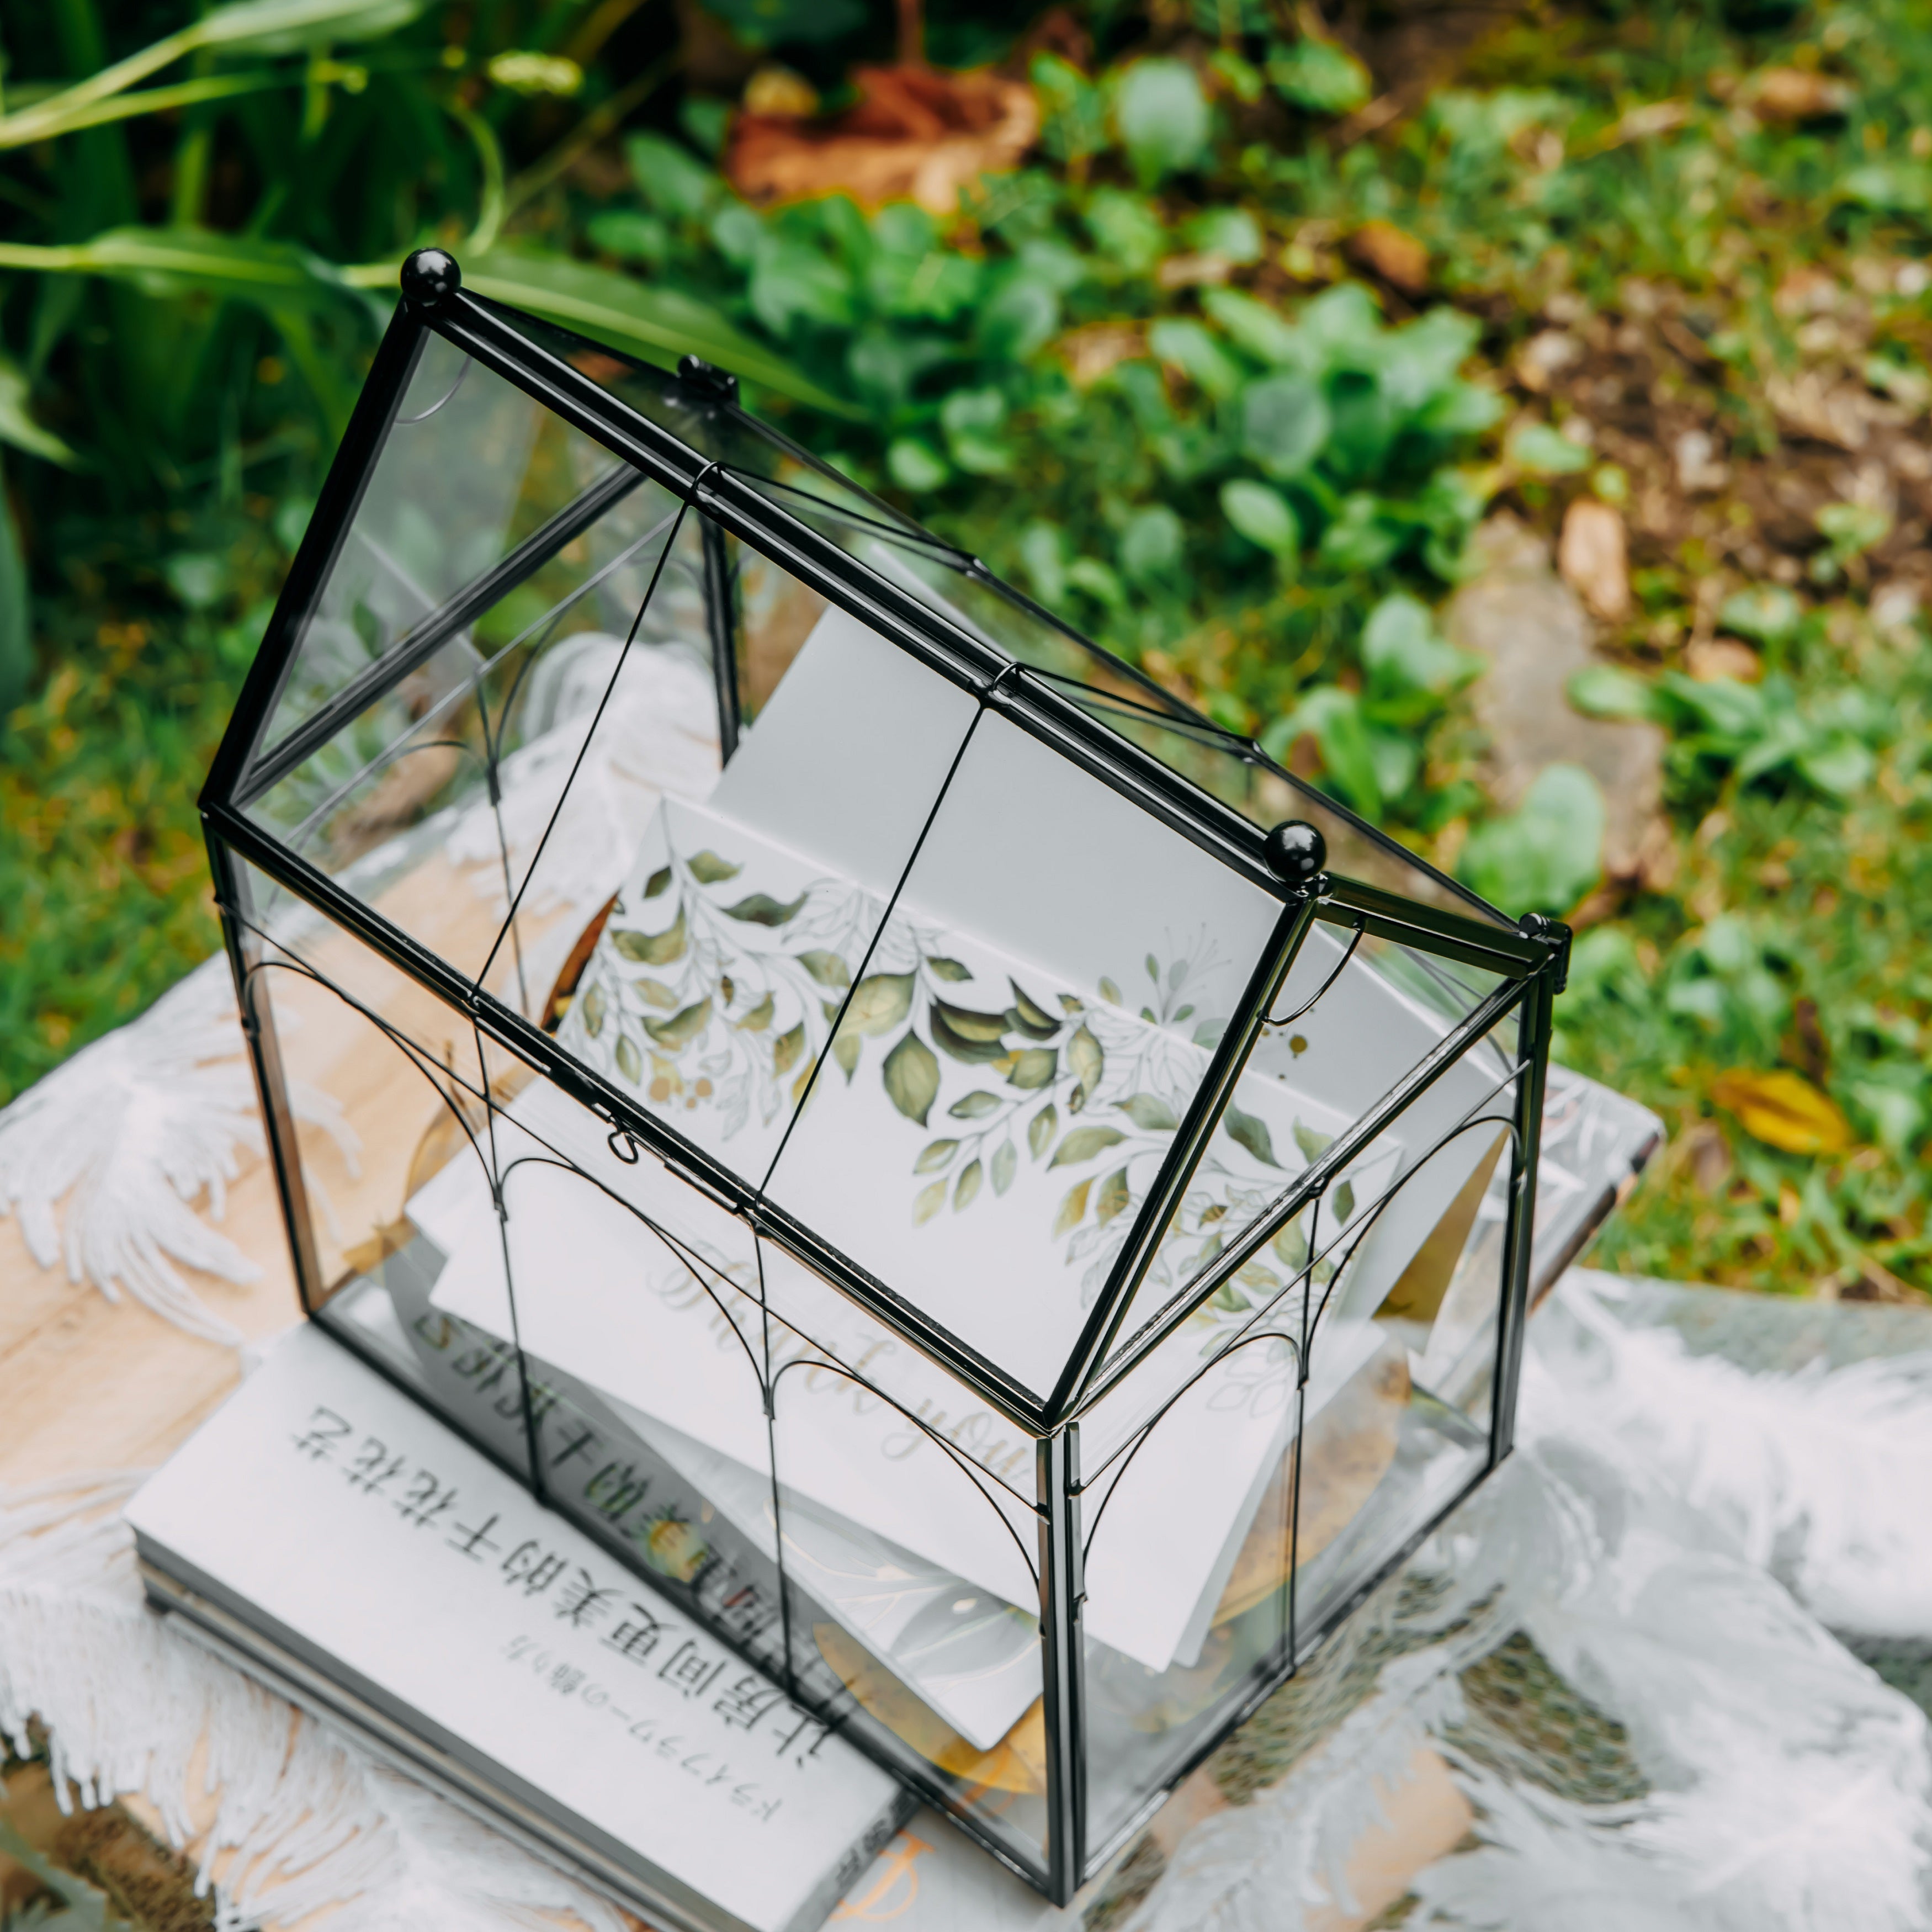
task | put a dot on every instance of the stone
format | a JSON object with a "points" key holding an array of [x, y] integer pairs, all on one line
{"points": [[1594, 558], [1534, 632]]}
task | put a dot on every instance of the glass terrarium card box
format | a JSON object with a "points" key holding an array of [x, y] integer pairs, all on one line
{"points": [[863, 1103]]}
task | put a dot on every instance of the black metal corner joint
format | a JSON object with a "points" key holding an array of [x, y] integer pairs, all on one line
{"points": [[707, 379], [1554, 934], [1295, 852], [429, 278]]}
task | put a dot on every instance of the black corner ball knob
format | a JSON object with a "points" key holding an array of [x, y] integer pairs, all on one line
{"points": [[1295, 852], [431, 276]]}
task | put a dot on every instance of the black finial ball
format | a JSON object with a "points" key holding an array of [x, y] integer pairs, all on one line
{"points": [[430, 276], [1295, 852]]}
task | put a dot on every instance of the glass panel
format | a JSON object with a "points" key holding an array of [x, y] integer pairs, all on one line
{"points": [[1356, 1016], [910, 1580], [1036, 1018], [1402, 1358], [431, 804], [744, 921], [1188, 1539]]}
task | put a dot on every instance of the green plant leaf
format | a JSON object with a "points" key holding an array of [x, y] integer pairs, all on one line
{"points": [[1249, 1131], [1113, 1197], [971, 1050], [1608, 690], [1034, 1066], [975, 1105], [1312, 1142], [1040, 1130], [651, 948], [1546, 857], [761, 909], [657, 882], [630, 1062], [1027, 1016], [1163, 119], [928, 1203], [1543, 452], [942, 968], [682, 1028], [1264, 516], [1087, 1063], [935, 1155], [594, 1009], [1005, 1160], [1284, 423], [1072, 1206], [966, 1186], [708, 869], [1149, 1112], [970, 1024], [1767, 614], [656, 993], [17, 425], [1084, 1143], [845, 1050], [827, 968], [759, 1018], [911, 1075], [787, 1048], [1319, 76], [878, 1003], [1343, 1202]]}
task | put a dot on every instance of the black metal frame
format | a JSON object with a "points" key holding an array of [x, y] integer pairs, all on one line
{"points": [[1529, 961]]}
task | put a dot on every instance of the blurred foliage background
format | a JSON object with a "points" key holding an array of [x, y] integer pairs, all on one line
{"points": [[1256, 337]]}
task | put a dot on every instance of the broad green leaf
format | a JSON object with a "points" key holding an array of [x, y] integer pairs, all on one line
{"points": [[708, 869], [1343, 1200], [1544, 452], [1084, 1143], [787, 1048], [1149, 1112], [975, 1105], [1040, 1130], [1291, 1245], [759, 1018], [670, 178], [594, 1009], [1073, 1207], [1034, 1066], [657, 882], [1152, 544], [761, 909], [651, 948], [970, 1024], [681, 1028], [929, 1202], [1006, 1159], [942, 968], [1255, 328], [1187, 346], [656, 993], [630, 1062], [1027, 1016], [911, 1075], [1249, 1131], [878, 1003], [1086, 1061], [1264, 516], [1840, 766], [966, 1186], [1312, 1142], [1608, 690], [656, 324], [935, 1155], [1767, 614], [1113, 1197], [1320, 77], [973, 1050], [1163, 117], [845, 1050], [827, 968], [1284, 424], [1546, 857], [1403, 651]]}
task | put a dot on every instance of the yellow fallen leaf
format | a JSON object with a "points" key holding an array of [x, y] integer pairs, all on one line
{"points": [[1784, 1110]]}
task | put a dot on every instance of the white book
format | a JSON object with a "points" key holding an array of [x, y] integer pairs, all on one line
{"points": [[394, 1576]]}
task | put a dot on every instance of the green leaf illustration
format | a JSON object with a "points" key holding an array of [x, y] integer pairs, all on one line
{"points": [[930, 1200], [1006, 1159], [1072, 1209], [1149, 1112], [681, 1028], [1344, 1202], [1087, 1062], [630, 1062], [949, 969], [1028, 1017], [912, 1077], [973, 1051], [935, 1154], [966, 1186], [969, 1024], [593, 1011], [657, 882], [708, 869], [1291, 1244], [1040, 1131], [827, 968], [759, 1018], [652, 949], [1034, 1066], [1313, 1145], [1109, 991], [975, 1106], [1113, 1196], [1084, 1143], [1251, 1134], [1153, 969], [656, 993], [878, 1003], [845, 1052], [787, 1048], [761, 909]]}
